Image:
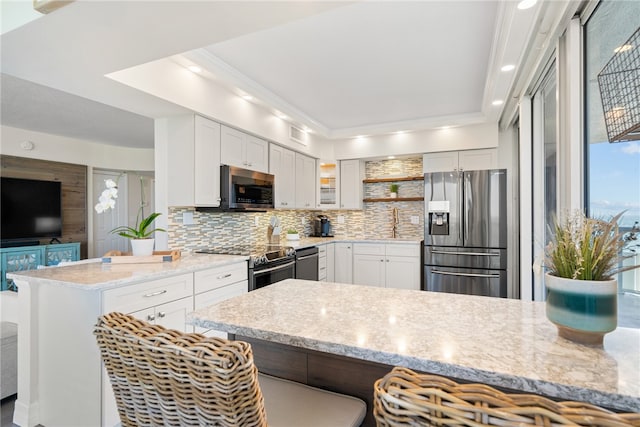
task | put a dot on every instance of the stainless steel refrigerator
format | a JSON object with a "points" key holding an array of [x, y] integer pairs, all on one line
{"points": [[466, 232]]}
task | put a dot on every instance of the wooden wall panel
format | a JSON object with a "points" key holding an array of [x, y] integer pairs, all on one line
{"points": [[74, 192]]}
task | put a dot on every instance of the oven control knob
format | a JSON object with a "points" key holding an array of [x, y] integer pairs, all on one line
{"points": [[289, 252], [260, 259]]}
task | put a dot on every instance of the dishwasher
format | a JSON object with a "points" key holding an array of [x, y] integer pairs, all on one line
{"points": [[307, 263]]}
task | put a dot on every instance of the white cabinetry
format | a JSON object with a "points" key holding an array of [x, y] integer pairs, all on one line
{"points": [[387, 265], [326, 262], [218, 284], [243, 150], [305, 181], [351, 174], [343, 262], [327, 187], [282, 164], [193, 159], [460, 160]]}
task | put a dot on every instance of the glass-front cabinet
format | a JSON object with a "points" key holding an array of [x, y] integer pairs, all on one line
{"points": [[328, 196]]}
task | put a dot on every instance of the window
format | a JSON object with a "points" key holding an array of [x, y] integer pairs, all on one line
{"points": [[612, 169]]}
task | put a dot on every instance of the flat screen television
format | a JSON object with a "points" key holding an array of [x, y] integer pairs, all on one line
{"points": [[30, 210]]}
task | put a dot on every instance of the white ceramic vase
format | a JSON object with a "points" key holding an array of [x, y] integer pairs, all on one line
{"points": [[142, 247], [394, 195]]}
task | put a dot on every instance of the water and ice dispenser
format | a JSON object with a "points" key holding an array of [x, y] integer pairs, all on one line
{"points": [[438, 217]]}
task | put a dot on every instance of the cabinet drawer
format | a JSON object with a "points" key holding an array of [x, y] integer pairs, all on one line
{"points": [[128, 299], [403, 250], [218, 277], [322, 262], [322, 250], [368, 249]]}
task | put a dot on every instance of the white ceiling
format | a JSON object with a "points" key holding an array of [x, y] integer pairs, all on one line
{"points": [[340, 68]]}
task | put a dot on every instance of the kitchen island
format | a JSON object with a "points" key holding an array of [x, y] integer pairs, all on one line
{"points": [[500, 342]]}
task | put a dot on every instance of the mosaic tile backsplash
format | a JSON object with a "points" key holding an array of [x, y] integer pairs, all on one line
{"points": [[375, 220]]}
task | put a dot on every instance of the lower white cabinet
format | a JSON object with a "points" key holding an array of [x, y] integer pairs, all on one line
{"points": [[343, 262], [387, 265], [326, 262]]}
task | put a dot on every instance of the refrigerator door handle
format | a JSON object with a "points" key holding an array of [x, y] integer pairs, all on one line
{"points": [[465, 253], [448, 273]]}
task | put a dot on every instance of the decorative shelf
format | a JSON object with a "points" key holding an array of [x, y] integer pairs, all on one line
{"points": [[397, 199], [406, 178]]}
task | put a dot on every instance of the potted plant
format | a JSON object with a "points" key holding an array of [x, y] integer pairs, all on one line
{"points": [[140, 236], [393, 188], [292, 234], [582, 261]]}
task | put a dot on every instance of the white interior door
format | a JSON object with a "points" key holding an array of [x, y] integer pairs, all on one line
{"points": [[103, 223]]}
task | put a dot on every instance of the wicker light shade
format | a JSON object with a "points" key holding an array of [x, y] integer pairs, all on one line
{"points": [[619, 83], [405, 398], [165, 377]]}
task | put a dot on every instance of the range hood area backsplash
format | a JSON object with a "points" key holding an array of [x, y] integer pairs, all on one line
{"points": [[374, 221]]}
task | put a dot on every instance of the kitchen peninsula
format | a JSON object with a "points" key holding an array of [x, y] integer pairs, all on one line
{"points": [[501, 342]]}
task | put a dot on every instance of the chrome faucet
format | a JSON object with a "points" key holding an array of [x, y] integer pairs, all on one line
{"points": [[394, 232]]}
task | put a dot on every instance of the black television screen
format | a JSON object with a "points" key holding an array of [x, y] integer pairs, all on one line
{"points": [[30, 209]]}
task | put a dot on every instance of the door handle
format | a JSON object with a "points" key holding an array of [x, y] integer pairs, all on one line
{"points": [[155, 294], [161, 314], [224, 276], [449, 273], [465, 253], [151, 318]]}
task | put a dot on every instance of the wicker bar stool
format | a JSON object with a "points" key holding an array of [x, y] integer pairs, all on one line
{"points": [[163, 377], [406, 398]]}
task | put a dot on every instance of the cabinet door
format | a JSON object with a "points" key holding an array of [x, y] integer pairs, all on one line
{"points": [[305, 181], [369, 270], [403, 272], [232, 147], [327, 179], [173, 315], [256, 154], [215, 296], [20, 259], [470, 160], [440, 162], [343, 262], [178, 146], [282, 166], [350, 184], [206, 162], [66, 252]]}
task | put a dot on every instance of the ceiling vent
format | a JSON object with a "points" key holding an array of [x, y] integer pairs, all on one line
{"points": [[46, 6], [298, 135]]}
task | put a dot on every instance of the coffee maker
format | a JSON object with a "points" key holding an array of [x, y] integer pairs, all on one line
{"points": [[322, 226]]}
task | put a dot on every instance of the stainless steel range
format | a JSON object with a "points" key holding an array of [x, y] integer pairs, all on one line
{"points": [[267, 263]]}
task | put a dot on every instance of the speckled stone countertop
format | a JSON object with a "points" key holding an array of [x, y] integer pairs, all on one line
{"points": [[496, 341], [94, 275], [316, 241]]}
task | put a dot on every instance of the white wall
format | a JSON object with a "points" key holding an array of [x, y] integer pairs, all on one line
{"points": [[428, 141], [69, 150]]}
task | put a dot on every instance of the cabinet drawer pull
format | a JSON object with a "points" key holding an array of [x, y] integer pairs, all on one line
{"points": [[151, 318], [224, 276], [155, 294], [161, 314]]}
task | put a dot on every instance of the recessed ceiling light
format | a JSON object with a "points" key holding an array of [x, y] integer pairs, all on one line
{"points": [[509, 67], [400, 132], [391, 157], [247, 97], [194, 69], [526, 4], [623, 48], [282, 116], [497, 102], [445, 127]]}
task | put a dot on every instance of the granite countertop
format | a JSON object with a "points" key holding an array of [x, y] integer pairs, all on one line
{"points": [[94, 275], [502, 342], [316, 241]]}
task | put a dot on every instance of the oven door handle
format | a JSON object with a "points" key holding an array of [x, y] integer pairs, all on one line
{"points": [[277, 267], [448, 273]]}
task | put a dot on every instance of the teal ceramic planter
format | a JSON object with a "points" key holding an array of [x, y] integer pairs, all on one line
{"points": [[583, 310]]}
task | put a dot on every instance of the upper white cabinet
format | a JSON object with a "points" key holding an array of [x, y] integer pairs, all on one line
{"points": [[351, 174], [305, 182], [460, 160], [193, 159], [282, 164], [327, 188], [207, 161], [243, 150]]}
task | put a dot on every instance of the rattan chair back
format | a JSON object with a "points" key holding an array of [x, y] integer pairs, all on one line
{"points": [[163, 377], [405, 398]]}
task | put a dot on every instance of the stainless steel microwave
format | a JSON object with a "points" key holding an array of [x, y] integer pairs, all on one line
{"points": [[243, 189]]}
